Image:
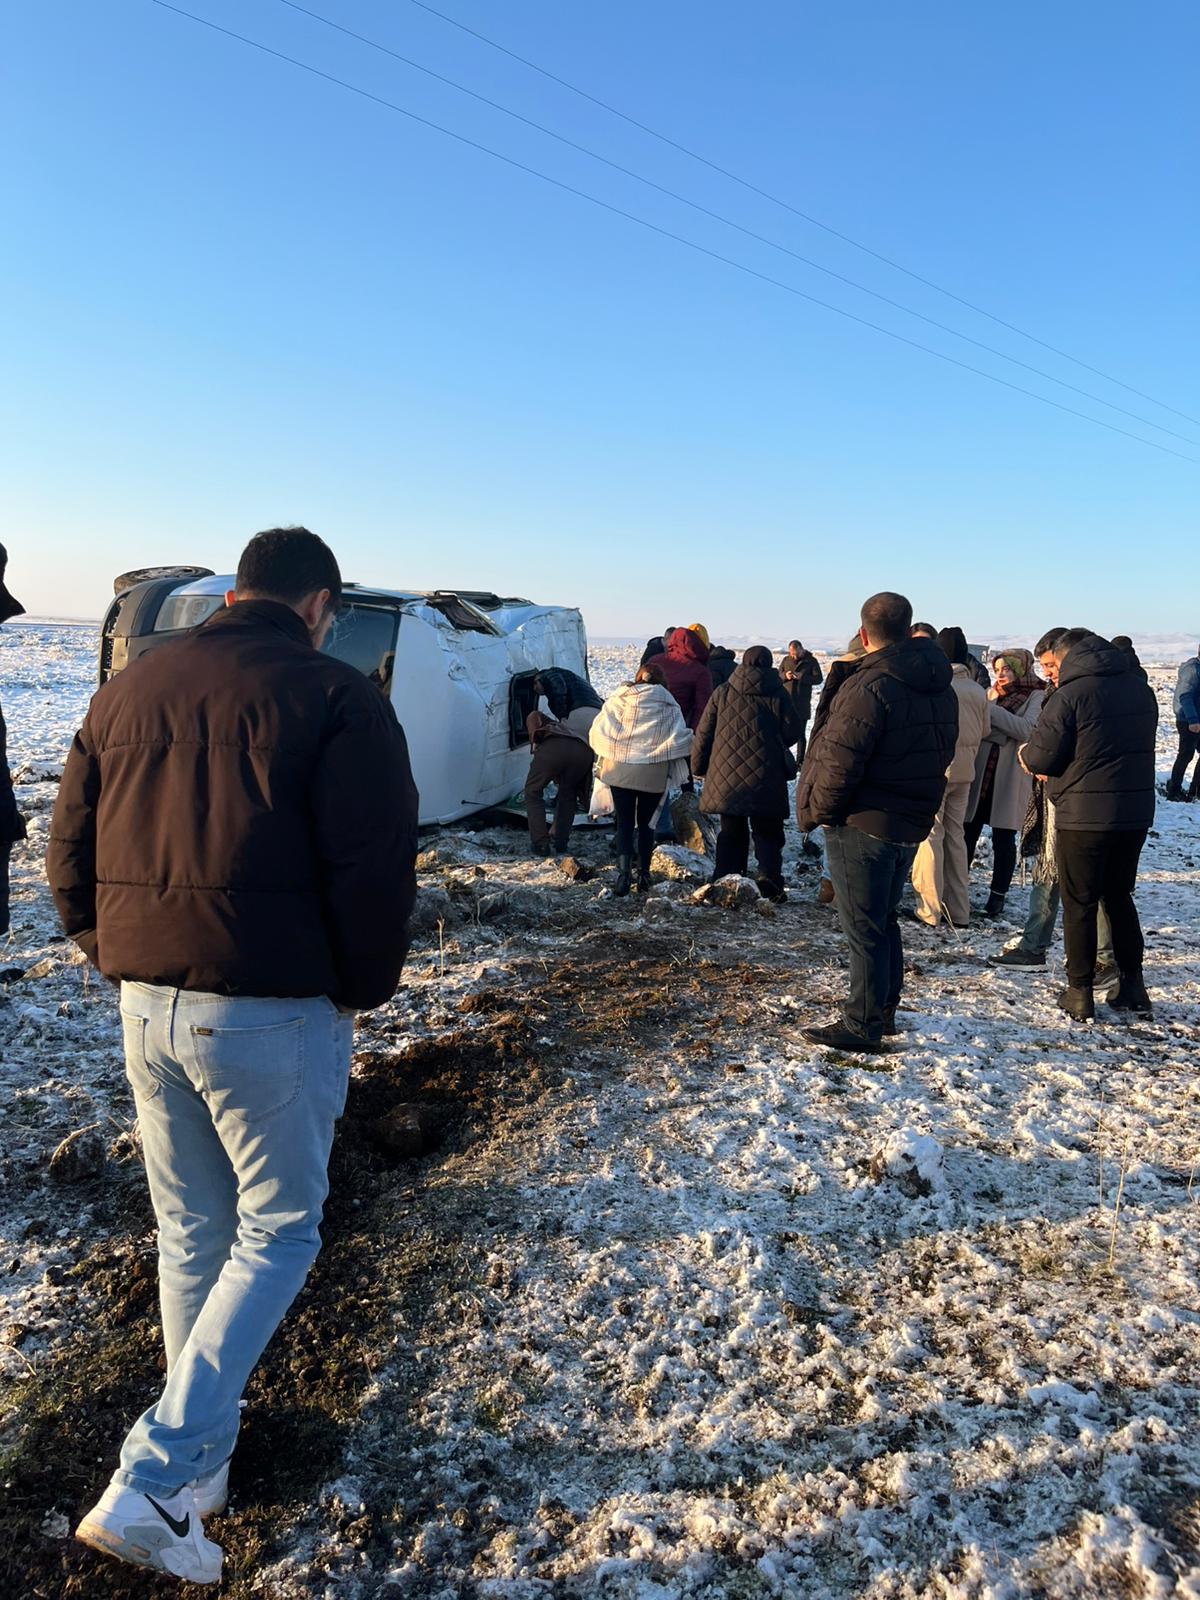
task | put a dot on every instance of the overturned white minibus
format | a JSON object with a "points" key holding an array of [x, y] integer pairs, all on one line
{"points": [[457, 665]]}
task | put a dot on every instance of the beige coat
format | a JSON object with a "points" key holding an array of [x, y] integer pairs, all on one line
{"points": [[1013, 787], [972, 725]]}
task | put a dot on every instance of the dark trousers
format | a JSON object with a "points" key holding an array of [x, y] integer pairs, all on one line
{"points": [[1189, 748], [1004, 852], [868, 878], [733, 848], [1093, 866], [567, 763], [802, 747], [5, 853], [635, 807]]}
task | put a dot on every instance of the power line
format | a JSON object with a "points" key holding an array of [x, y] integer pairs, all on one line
{"points": [[750, 233], [665, 233], [804, 216]]}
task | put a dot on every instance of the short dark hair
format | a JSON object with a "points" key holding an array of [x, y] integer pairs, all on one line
{"points": [[796, 642], [288, 564], [954, 642], [925, 629], [1121, 641], [887, 617], [1068, 638], [1048, 640]]}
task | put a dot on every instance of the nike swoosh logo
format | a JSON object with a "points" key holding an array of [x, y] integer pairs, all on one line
{"points": [[177, 1526]]}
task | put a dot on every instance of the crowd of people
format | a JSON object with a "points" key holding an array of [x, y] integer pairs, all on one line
{"points": [[911, 757], [234, 845]]}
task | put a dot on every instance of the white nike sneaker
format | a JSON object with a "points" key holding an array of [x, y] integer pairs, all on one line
{"points": [[212, 1491], [164, 1533]]}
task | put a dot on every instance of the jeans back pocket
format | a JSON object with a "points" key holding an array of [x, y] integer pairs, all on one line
{"points": [[141, 1080], [249, 1073]]}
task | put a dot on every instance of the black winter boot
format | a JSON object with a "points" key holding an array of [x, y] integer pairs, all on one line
{"points": [[1078, 1003], [995, 905], [1130, 995], [624, 875], [645, 852]]}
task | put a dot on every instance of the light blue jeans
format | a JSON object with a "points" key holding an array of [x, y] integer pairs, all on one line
{"points": [[1042, 916], [237, 1101]]}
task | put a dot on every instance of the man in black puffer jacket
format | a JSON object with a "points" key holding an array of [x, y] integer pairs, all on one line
{"points": [[1094, 744], [742, 750], [874, 778]]}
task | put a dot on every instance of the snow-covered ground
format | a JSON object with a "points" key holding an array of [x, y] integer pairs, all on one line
{"points": [[678, 1306]]}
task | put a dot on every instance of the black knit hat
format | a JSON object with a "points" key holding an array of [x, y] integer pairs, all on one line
{"points": [[9, 606]]}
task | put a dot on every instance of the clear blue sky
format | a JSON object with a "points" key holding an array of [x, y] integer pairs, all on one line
{"points": [[233, 295]]}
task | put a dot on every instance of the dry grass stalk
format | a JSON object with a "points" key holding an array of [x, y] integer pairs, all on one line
{"points": [[1112, 1243]]}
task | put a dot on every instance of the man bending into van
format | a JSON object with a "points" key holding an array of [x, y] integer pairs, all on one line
{"points": [[234, 843]]}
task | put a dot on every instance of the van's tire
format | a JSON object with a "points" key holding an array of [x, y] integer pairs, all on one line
{"points": [[127, 580]]}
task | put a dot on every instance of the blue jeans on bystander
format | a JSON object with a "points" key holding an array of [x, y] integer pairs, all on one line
{"points": [[237, 1100], [868, 877]]}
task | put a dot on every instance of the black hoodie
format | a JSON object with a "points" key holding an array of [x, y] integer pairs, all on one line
{"points": [[1095, 738], [721, 665], [878, 761]]}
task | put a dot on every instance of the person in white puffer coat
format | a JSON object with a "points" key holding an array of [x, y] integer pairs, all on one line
{"points": [[641, 743]]}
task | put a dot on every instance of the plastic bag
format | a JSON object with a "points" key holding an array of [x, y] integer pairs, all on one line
{"points": [[602, 801]]}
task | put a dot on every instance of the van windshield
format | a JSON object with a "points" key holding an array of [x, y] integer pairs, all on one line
{"points": [[365, 637]]}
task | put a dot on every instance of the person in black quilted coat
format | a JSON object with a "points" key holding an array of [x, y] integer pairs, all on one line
{"points": [[742, 750]]}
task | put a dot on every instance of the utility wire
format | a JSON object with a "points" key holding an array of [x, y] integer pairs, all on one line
{"points": [[728, 222], [665, 233], [804, 216]]}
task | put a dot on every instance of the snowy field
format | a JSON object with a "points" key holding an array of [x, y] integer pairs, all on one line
{"points": [[670, 1304]]}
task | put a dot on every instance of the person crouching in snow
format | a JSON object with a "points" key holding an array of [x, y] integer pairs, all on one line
{"points": [[641, 743], [564, 758], [743, 751]]}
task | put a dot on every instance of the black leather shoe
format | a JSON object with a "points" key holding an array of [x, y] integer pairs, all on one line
{"points": [[624, 875], [1078, 1003], [890, 1030], [835, 1037]]}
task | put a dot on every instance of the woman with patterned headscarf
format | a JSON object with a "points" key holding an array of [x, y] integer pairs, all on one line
{"points": [[1001, 791]]}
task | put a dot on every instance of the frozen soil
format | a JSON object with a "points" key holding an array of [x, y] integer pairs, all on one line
{"points": [[673, 1305]]}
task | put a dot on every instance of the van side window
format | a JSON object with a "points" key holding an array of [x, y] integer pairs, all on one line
{"points": [[365, 637]]}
